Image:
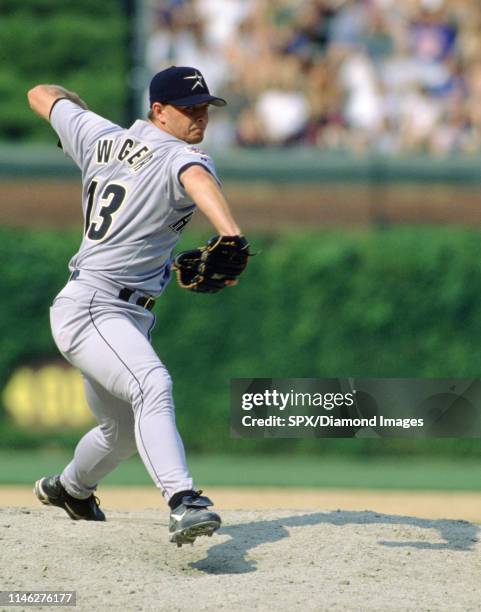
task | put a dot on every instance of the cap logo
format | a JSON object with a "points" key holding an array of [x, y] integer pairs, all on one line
{"points": [[198, 80]]}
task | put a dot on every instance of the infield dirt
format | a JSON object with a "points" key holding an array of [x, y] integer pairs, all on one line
{"points": [[260, 560]]}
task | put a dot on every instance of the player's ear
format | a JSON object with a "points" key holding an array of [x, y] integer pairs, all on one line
{"points": [[156, 111]]}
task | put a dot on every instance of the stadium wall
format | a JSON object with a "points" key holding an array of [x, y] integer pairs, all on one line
{"points": [[403, 302]]}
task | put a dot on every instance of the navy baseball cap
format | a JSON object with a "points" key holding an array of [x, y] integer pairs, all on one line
{"points": [[181, 86]]}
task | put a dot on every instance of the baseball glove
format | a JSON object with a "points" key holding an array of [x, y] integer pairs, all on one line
{"points": [[210, 268]]}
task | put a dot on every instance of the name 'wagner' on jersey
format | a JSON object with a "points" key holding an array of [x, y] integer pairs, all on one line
{"points": [[134, 204]]}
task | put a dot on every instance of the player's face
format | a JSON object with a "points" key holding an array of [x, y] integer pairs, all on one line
{"points": [[186, 122]]}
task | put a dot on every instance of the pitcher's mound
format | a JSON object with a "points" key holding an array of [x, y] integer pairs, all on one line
{"points": [[284, 560]]}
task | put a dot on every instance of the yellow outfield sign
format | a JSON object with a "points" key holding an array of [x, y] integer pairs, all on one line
{"points": [[49, 396]]}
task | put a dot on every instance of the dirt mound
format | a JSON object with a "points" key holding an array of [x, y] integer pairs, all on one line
{"points": [[284, 559]]}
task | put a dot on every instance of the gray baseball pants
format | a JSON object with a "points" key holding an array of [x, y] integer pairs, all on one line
{"points": [[127, 387]]}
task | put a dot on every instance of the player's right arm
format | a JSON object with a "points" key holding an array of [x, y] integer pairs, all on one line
{"points": [[77, 127], [43, 97]]}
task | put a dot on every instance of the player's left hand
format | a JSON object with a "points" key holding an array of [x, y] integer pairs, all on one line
{"points": [[213, 267]]}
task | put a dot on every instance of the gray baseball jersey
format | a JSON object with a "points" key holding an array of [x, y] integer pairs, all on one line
{"points": [[134, 205]]}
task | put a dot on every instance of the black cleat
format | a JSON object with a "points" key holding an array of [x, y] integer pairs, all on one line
{"points": [[191, 519], [50, 492]]}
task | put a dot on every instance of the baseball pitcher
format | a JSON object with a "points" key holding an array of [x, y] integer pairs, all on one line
{"points": [[141, 186]]}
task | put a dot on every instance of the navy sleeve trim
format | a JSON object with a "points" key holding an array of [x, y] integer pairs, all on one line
{"points": [[188, 165], [55, 102]]}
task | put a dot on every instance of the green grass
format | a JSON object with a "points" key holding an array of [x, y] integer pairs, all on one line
{"points": [[261, 471]]}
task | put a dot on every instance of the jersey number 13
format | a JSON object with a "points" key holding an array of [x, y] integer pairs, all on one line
{"points": [[110, 200]]}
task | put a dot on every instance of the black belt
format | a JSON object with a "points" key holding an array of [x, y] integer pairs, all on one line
{"points": [[125, 294], [146, 302]]}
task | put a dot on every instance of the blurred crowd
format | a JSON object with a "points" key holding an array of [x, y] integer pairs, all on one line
{"points": [[387, 76]]}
